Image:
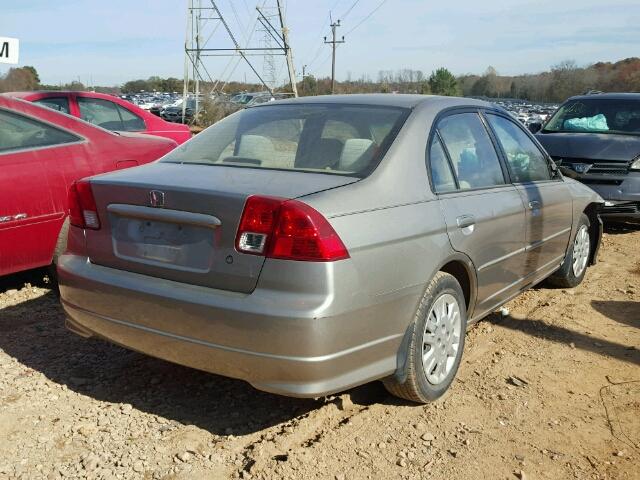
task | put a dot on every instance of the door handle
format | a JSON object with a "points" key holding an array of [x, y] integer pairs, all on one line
{"points": [[534, 205], [465, 221]]}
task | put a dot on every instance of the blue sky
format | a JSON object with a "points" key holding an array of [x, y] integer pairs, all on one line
{"points": [[117, 40]]}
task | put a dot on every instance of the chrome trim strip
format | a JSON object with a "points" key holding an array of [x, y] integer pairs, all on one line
{"points": [[526, 277], [501, 259], [163, 215], [538, 243]]}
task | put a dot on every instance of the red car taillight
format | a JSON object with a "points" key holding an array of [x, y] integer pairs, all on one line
{"points": [[287, 229], [83, 212]]}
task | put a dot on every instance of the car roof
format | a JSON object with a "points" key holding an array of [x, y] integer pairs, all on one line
{"points": [[61, 93], [24, 107], [608, 96], [383, 99]]}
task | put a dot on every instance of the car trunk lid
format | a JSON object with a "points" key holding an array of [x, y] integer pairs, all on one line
{"points": [[179, 221]]}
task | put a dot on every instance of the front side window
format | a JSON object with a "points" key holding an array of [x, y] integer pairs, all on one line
{"points": [[326, 138], [18, 132], [61, 104], [472, 154], [102, 113], [597, 115], [526, 161]]}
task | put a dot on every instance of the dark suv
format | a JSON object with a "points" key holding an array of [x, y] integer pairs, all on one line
{"points": [[596, 140]]}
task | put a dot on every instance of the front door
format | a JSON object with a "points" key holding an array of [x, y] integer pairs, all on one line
{"points": [[546, 197], [484, 213], [29, 219]]}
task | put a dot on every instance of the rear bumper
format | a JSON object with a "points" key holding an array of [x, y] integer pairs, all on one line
{"points": [[297, 344]]}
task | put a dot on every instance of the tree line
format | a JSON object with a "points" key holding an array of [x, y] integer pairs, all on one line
{"points": [[557, 84]]}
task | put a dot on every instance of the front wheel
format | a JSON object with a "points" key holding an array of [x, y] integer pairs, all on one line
{"points": [[576, 260], [436, 341]]}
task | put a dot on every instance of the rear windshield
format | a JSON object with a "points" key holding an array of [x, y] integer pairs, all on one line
{"points": [[326, 138], [597, 115]]}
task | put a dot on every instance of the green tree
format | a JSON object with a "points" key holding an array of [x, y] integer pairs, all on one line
{"points": [[308, 86], [442, 82], [20, 79], [33, 71]]}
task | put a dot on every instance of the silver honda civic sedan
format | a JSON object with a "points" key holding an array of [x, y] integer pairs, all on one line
{"points": [[311, 245]]}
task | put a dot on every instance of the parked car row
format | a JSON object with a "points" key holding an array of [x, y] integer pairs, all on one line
{"points": [[528, 113]]}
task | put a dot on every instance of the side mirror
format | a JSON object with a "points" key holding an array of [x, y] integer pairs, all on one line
{"points": [[534, 127]]}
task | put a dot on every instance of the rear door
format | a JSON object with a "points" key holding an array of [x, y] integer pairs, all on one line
{"points": [[484, 213], [29, 217], [547, 198]]}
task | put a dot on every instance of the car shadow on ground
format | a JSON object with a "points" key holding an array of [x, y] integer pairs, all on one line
{"points": [[33, 332], [37, 278], [556, 333], [626, 312], [620, 228]]}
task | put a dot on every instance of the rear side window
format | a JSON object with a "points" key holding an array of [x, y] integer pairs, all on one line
{"points": [[60, 104], [18, 132], [326, 138], [109, 115], [130, 121], [526, 161], [441, 174], [100, 112], [471, 151]]}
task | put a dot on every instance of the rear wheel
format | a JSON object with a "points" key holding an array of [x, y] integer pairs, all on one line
{"points": [[436, 342], [574, 267]]}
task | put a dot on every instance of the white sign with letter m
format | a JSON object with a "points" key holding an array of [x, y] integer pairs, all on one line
{"points": [[9, 50]]}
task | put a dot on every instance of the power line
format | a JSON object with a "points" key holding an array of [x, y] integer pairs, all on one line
{"points": [[349, 11], [367, 17]]}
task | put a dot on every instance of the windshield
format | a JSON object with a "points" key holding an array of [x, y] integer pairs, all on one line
{"points": [[597, 115], [327, 138]]}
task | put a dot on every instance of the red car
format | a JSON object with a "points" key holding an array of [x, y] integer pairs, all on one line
{"points": [[108, 112], [42, 152]]}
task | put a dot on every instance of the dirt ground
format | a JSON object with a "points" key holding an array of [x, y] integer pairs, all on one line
{"points": [[550, 391]]}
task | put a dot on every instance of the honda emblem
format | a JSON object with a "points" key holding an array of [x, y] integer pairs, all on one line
{"points": [[581, 167], [156, 198]]}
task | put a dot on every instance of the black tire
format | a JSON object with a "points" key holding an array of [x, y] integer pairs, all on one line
{"points": [[565, 277], [414, 385]]}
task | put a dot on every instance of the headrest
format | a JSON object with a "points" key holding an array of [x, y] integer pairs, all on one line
{"points": [[356, 154]]}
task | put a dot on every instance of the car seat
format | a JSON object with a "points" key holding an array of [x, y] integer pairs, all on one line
{"points": [[356, 154], [256, 147]]}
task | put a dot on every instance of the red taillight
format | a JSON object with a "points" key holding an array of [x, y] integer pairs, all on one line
{"points": [[287, 229], [83, 212]]}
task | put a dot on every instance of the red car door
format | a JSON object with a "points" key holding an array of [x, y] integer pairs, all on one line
{"points": [[29, 216]]}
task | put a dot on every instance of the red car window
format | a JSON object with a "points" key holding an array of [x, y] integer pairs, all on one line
{"points": [[130, 121], [61, 104], [18, 132]]}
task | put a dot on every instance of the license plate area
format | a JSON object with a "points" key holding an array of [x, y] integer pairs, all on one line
{"points": [[167, 244]]}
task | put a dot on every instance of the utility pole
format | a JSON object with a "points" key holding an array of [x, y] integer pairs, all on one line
{"points": [[287, 50], [334, 44], [304, 75]]}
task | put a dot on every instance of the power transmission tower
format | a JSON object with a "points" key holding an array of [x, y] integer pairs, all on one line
{"points": [[268, 64], [334, 43], [209, 34]]}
